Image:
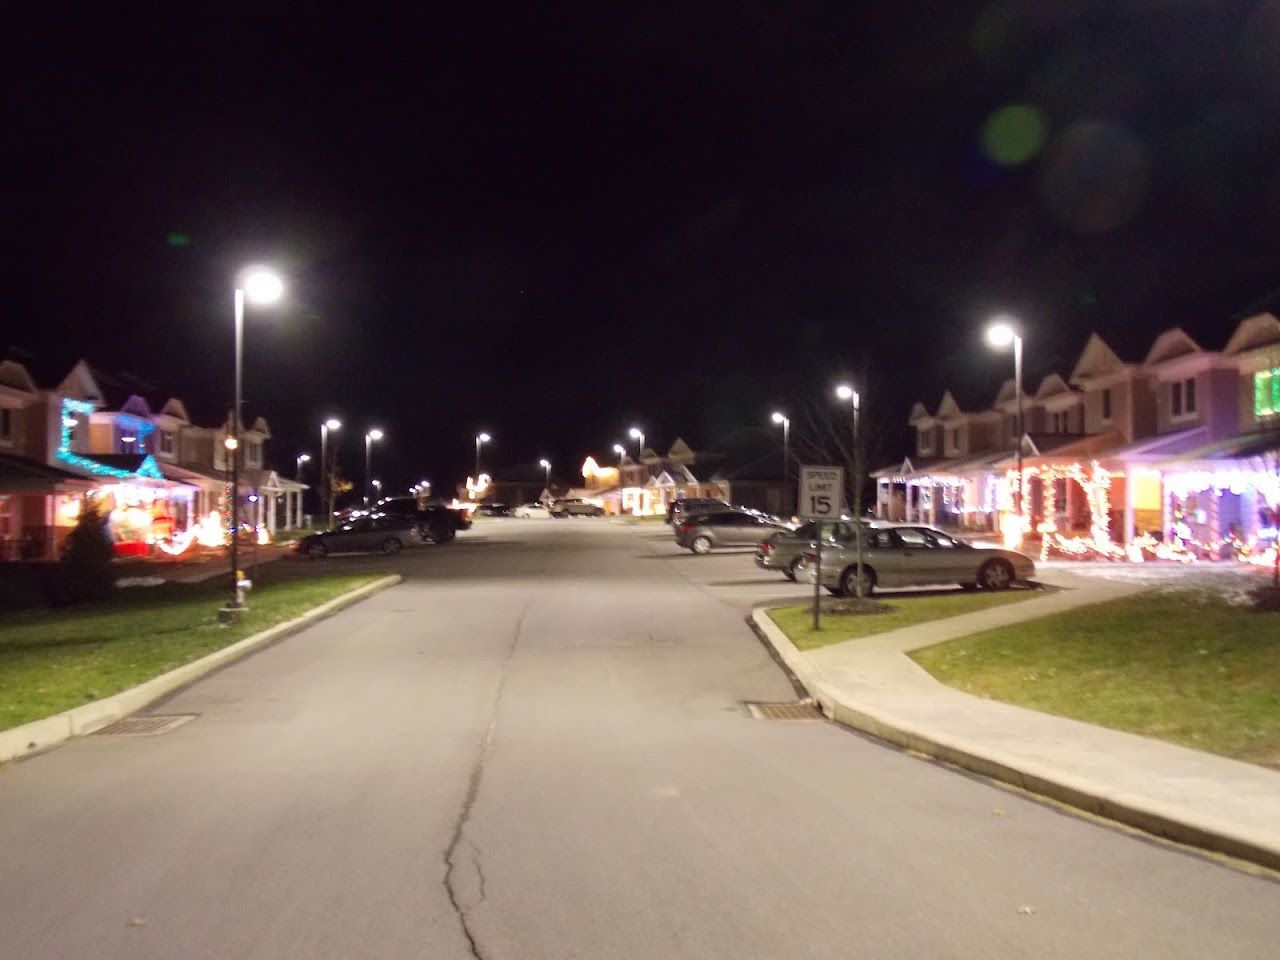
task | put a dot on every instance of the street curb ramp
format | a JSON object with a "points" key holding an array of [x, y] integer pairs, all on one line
{"points": [[1078, 792], [40, 735]]}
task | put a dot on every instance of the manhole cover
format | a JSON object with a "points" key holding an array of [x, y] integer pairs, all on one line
{"points": [[798, 710], [145, 726]]}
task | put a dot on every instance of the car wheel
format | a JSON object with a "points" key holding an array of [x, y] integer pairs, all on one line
{"points": [[996, 575], [392, 545], [701, 545], [442, 533], [792, 568], [317, 551], [849, 581]]}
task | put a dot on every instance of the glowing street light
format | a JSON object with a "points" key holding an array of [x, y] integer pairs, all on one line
{"points": [[546, 466], [481, 438], [259, 286], [326, 481], [299, 460], [638, 435], [620, 451], [377, 485], [785, 422], [846, 392], [369, 439], [1002, 332]]}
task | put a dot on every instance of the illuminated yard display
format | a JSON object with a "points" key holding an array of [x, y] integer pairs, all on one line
{"points": [[1266, 392], [71, 410]]}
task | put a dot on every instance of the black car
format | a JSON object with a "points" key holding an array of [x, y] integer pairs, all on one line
{"points": [[362, 533], [436, 523], [494, 509], [678, 510]]}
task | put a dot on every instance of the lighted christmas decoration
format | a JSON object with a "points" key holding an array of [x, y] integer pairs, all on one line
{"points": [[70, 409], [476, 486]]}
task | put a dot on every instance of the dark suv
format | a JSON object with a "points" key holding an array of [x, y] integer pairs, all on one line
{"points": [[434, 522]]}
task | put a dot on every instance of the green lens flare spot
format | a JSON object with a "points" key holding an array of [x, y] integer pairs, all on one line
{"points": [[1013, 135], [179, 240]]}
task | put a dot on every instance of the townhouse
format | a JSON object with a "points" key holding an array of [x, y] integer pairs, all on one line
{"points": [[1174, 456], [161, 480]]}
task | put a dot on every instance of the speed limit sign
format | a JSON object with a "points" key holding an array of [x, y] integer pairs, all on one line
{"points": [[821, 493]]}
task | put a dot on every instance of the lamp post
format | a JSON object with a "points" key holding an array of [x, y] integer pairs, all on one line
{"points": [[638, 435], [1000, 334], [369, 438], [259, 286], [785, 423], [298, 461], [846, 392], [621, 451], [546, 467], [481, 438], [326, 477], [377, 485]]}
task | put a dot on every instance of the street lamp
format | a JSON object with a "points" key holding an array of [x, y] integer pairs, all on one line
{"points": [[299, 460], [846, 392], [546, 466], [1001, 333], [481, 438], [620, 451], [785, 422], [260, 286], [637, 434], [377, 484], [326, 479], [369, 439]]}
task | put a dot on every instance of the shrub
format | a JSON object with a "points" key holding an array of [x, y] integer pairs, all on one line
{"points": [[84, 572]]}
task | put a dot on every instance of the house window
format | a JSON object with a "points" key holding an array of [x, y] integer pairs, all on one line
{"points": [[1183, 397], [6, 426], [1106, 404], [1266, 392], [955, 438], [166, 442]]}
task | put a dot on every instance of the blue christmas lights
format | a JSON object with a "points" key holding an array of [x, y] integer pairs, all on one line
{"points": [[148, 468]]}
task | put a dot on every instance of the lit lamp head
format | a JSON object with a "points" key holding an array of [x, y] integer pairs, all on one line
{"points": [[483, 438], [846, 392], [231, 443], [374, 434], [618, 449], [261, 286], [1002, 331], [545, 464], [635, 433], [304, 458], [332, 424], [778, 418]]}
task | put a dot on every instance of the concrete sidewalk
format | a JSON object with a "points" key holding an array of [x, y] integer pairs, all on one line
{"points": [[1191, 797]]}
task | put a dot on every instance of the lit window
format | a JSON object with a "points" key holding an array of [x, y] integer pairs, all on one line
{"points": [[1266, 392]]}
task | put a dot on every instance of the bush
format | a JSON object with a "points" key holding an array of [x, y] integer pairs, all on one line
{"points": [[84, 572]]}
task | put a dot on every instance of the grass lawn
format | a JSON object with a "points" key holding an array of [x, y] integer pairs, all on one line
{"points": [[51, 660], [906, 610], [1183, 666]]}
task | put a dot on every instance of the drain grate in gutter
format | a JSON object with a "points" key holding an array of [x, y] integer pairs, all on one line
{"points": [[145, 726], [797, 710]]}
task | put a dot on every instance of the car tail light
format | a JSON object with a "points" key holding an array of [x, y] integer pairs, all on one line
{"points": [[686, 527], [766, 546], [811, 558]]}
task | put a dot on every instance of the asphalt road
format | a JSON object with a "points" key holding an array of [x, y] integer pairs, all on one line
{"points": [[536, 747]]}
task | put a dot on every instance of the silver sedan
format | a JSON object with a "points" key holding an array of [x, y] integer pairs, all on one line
{"points": [[910, 556]]}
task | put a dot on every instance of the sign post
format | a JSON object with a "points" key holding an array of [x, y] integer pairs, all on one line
{"points": [[821, 495]]}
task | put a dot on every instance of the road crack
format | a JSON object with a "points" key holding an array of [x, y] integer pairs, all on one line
{"points": [[463, 904]]}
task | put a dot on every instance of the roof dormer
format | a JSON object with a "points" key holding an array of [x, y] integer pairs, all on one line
{"points": [[948, 409], [1098, 364], [1253, 333]]}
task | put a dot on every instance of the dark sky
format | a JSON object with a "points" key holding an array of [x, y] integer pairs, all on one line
{"points": [[552, 221]]}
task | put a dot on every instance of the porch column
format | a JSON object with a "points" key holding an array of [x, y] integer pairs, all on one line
{"points": [[1128, 506], [880, 499], [933, 505], [1166, 510], [1248, 513]]}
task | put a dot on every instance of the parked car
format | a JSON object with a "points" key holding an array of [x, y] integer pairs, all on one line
{"points": [[494, 510], [679, 510], [436, 523], [909, 556], [389, 533], [574, 507], [532, 511], [703, 533], [784, 550]]}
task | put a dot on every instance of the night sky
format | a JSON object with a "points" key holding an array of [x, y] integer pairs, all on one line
{"points": [[552, 221]]}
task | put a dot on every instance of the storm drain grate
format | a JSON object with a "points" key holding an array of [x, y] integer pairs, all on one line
{"points": [[145, 726], [799, 710]]}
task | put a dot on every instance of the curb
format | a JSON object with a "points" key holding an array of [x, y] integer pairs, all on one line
{"points": [[39, 735], [1073, 791]]}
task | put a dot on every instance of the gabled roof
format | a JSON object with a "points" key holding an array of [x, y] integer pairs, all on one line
{"points": [[15, 375], [1008, 393], [948, 407], [680, 451], [1260, 330], [1170, 345], [1096, 360], [175, 408], [918, 413], [1052, 386], [80, 384]]}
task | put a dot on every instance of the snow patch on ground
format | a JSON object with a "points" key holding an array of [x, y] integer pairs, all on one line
{"points": [[1231, 581]]}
